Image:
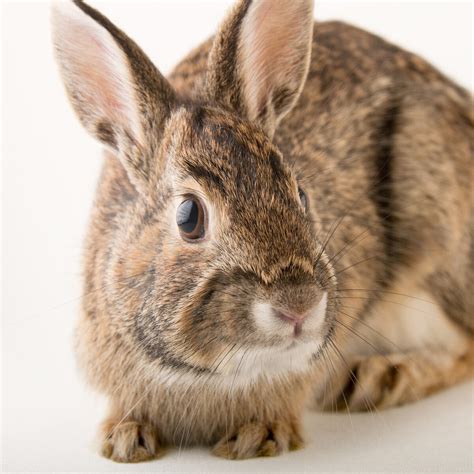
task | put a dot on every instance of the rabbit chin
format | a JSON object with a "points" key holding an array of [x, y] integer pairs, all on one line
{"points": [[251, 365]]}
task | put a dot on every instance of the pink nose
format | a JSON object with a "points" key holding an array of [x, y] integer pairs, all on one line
{"points": [[296, 319]]}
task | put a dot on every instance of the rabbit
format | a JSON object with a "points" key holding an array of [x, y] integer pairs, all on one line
{"points": [[283, 222]]}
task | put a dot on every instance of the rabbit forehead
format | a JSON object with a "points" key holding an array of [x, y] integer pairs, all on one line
{"points": [[226, 154]]}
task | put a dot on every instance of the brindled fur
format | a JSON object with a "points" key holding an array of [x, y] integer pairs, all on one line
{"points": [[380, 142]]}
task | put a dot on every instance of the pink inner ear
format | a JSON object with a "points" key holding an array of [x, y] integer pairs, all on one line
{"points": [[102, 70], [274, 43], [96, 70], [101, 84]]}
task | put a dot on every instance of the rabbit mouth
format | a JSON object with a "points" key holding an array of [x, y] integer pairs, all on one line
{"points": [[279, 323], [296, 344]]}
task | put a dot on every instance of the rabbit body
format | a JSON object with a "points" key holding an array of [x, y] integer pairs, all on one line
{"points": [[380, 143]]}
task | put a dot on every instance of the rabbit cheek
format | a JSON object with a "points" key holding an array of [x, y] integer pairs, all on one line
{"points": [[209, 325], [201, 335]]}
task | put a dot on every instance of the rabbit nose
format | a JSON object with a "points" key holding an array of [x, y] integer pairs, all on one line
{"points": [[294, 318]]}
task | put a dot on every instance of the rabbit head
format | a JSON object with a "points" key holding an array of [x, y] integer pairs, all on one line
{"points": [[208, 245]]}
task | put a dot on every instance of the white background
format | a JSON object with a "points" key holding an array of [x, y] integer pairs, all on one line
{"points": [[50, 167]]}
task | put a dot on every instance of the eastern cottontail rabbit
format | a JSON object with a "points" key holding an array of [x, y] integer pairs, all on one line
{"points": [[287, 218]]}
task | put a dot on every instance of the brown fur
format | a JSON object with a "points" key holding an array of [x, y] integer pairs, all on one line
{"points": [[380, 142]]}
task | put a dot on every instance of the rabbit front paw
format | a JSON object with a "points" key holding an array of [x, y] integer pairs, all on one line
{"points": [[129, 442], [259, 439]]}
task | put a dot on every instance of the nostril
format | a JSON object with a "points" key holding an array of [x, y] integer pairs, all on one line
{"points": [[293, 318]]}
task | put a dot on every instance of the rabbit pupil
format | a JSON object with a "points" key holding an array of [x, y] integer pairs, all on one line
{"points": [[189, 218]]}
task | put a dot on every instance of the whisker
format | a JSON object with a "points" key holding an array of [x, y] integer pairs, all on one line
{"points": [[380, 300], [368, 403], [376, 290]]}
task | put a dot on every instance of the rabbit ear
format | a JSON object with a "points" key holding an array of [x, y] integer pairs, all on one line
{"points": [[118, 94], [260, 58]]}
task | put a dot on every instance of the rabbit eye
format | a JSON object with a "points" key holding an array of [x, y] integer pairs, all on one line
{"points": [[190, 218], [303, 199]]}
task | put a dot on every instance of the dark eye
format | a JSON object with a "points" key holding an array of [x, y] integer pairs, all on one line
{"points": [[303, 199], [190, 218]]}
